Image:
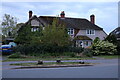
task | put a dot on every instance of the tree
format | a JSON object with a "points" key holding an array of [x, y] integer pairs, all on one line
{"points": [[97, 39], [55, 34], [9, 25], [112, 39], [25, 36]]}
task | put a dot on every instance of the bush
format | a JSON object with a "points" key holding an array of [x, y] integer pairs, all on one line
{"points": [[43, 49], [113, 39], [75, 49], [72, 54], [118, 47], [103, 48], [16, 55], [87, 52]]}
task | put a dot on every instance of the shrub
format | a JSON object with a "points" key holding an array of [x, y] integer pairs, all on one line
{"points": [[118, 47], [113, 39], [75, 49], [72, 54], [87, 52], [103, 47], [53, 50]]}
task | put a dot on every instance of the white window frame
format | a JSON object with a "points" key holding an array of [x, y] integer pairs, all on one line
{"points": [[81, 44], [90, 32], [34, 29], [70, 31]]}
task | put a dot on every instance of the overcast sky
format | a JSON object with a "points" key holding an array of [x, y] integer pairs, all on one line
{"points": [[106, 13]]}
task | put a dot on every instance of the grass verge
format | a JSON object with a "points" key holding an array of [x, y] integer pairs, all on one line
{"points": [[62, 58], [47, 64], [108, 56], [45, 59]]}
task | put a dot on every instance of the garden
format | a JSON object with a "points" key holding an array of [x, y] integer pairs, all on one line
{"points": [[53, 42]]}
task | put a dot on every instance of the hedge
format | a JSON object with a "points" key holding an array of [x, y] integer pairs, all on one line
{"points": [[42, 49]]}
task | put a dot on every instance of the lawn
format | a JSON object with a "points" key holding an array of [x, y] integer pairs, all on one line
{"points": [[46, 59], [62, 58], [49, 64], [108, 56]]}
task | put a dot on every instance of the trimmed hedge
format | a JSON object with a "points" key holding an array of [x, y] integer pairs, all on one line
{"points": [[42, 49]]}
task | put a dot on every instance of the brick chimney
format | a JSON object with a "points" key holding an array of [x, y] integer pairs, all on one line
{"points": [[62, 14], [30, 14], [92, 19]]}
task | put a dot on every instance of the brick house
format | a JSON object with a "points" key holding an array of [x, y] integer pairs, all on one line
{"points": [[81, 30]]}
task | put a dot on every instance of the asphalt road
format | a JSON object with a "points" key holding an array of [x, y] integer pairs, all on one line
{"points": [[106, 69]]}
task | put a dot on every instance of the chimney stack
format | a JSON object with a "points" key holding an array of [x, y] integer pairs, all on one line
{"points": [[92, 19], [62, 14], [30, 14]]}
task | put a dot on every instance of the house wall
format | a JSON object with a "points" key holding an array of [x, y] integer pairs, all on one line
{"points": [[35, 23], [83, 44], [98, 33]]}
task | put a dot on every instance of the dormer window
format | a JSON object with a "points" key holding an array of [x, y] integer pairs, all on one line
{"points": [[70, 31], [90, 32]]}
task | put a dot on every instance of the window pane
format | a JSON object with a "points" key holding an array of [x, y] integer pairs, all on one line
{"points": [[92, 31], [68, 32], [86, 43], [71, 32], [37, 29], [87, 31]]}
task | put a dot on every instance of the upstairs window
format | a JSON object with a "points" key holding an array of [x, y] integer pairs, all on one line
{"points": [[34, 29], [90, 32], [70, 31]]}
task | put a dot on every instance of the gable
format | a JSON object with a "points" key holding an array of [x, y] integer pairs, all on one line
{"points": [[35, 23]]}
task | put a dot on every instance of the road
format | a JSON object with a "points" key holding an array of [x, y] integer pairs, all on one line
{"points": [[106, 69]]}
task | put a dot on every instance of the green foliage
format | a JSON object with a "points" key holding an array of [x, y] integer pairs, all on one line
{"points": [[55, 34], [112, 39], [25, 36], [72, 54], [118, 47], [87, 52], [43, 49], [103, 47], [16, 55], [53, 40], [97, 39], [9, 25]]}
